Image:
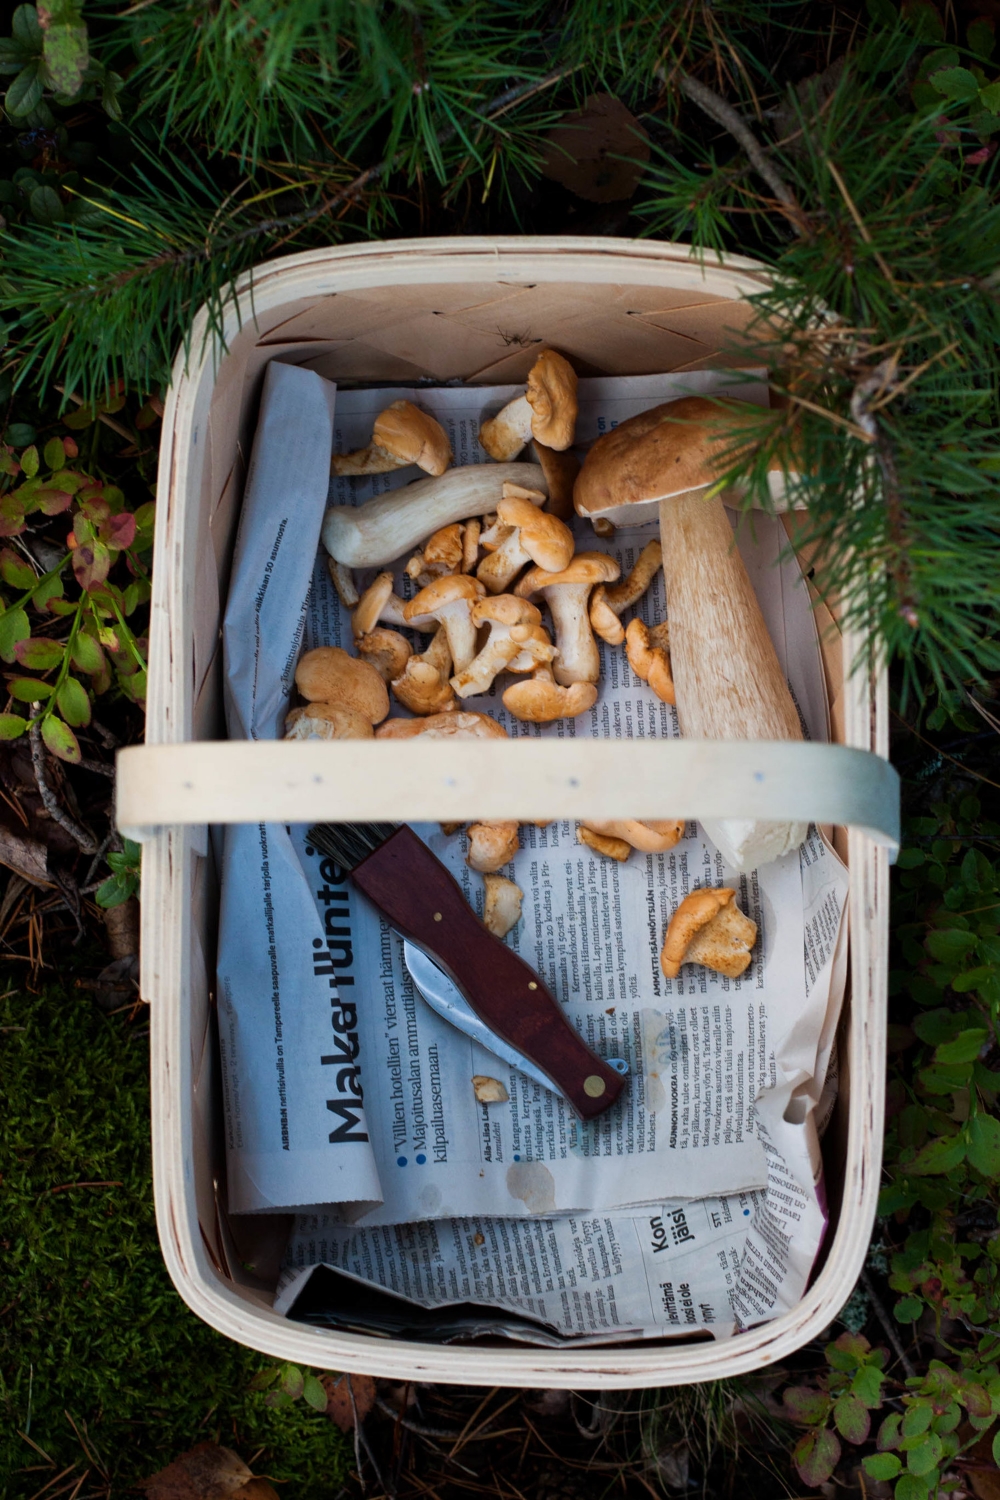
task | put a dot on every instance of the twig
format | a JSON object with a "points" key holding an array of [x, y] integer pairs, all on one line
{"points": [[361, 1436], [101, 416], [99, 854], [717, 109], [84, 840], [888, 1326], [97, 768], [421, 1431], [859, 221]]}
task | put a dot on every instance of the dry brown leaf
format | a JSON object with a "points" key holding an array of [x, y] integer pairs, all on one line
{"points": [[339, 1407], [205, 1472], [583, 152]]}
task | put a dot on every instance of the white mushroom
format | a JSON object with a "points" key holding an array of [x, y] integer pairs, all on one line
{"points": [[566, 593], [503, 904], [403, 434], [449, 601], [391, 525], [530, 535], [502, 614]]}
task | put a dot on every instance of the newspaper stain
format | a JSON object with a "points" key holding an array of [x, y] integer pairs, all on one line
{"points": [[652, 1028], [430, 1199], [533, 1183]]}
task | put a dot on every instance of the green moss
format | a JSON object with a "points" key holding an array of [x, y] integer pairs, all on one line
{"points": [[91, 1327]]}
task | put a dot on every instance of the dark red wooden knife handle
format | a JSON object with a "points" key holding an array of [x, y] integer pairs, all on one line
{"points": [[425, 903]]}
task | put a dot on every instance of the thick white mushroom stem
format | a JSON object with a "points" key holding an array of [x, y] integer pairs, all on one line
{"points": [[504, 435], [729, 682], [391, 525], [449, 601]]}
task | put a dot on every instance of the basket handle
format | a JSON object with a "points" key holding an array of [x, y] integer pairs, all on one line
{"points": [[348, 781]]}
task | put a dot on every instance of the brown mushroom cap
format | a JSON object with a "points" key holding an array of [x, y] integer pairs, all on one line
{"points": [[708, 928], [586, 567], [327, 721], [668, 450], [328, 675], [443, 591], [547, 540], [463, 726], [541, 699], [413, 436], [551, 395]]}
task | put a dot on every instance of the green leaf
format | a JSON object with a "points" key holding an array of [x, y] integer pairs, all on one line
{"points": [[910, 859], [867, 1385], [86, 655], [981, 37], [923, 1459], [292, 1381], [14, 627], [917, 1418], [313, 1394], [996, 1448], [15, 571], [847, 1351], [54, 453], [984, 1145], [25, 92], [924, 19], [815, 1456], [60, 739], [65, 50], [804, 1403], [949, 944], [888, 1433], [882, 12], [940, 1155], [39, 654], [12, 726], [964, 1049], [989, 97], [29, 689], [73, 703], [971, 979], [908, 1309], [115, 890], [881, 1465], [20, 434], [29, 462], [909, 1487], [46, 206], [937, 1026], [851, 1419], [26, 28], [955, 83]]}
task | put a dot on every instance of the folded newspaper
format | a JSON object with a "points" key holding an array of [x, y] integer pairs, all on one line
{"points": [[695, 1203]]}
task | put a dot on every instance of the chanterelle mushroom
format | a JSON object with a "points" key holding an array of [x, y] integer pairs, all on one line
{"points": [[441, 554], [491, 846], [601, 843], [648, 652], [403, 434], [378, 605], [566, 593], [649, 837], [541, 699], [422, 683], [328, 675], [503, 904], [502, 614], [547, 411], [607, 604], [449, 601], [708, 928], [387, 650], [532, 535]]}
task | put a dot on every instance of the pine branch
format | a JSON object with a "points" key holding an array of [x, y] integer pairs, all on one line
{"points": [[724, 114]]}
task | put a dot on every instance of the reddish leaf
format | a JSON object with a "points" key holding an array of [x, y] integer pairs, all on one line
{"points": [[119, 531], [71, 447], [15, 571], [340, 1407], [806, 1404], [52, 502], [852, 1419], [816, 1456], [207, 1472], [29, 689], [60, 739], [91, 564], [39, 654], [597, 152]]}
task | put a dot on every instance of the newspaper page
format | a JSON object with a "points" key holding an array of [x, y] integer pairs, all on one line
{"points": [[701, 1048], [276, 1006]]}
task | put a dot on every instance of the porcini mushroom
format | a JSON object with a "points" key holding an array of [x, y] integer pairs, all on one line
{"points": [[442, 554], [708, 928], [541, 699], [547, 411], [387, 650], [608, 604], [388, 527], [449, 601], [729, 682], [532, 536], [503, 904], [422, 683], [502, 614], [647, 836], [648, 652], [403, 434], [329, 675], [327, 721], [378, 605], [566, 593]]}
